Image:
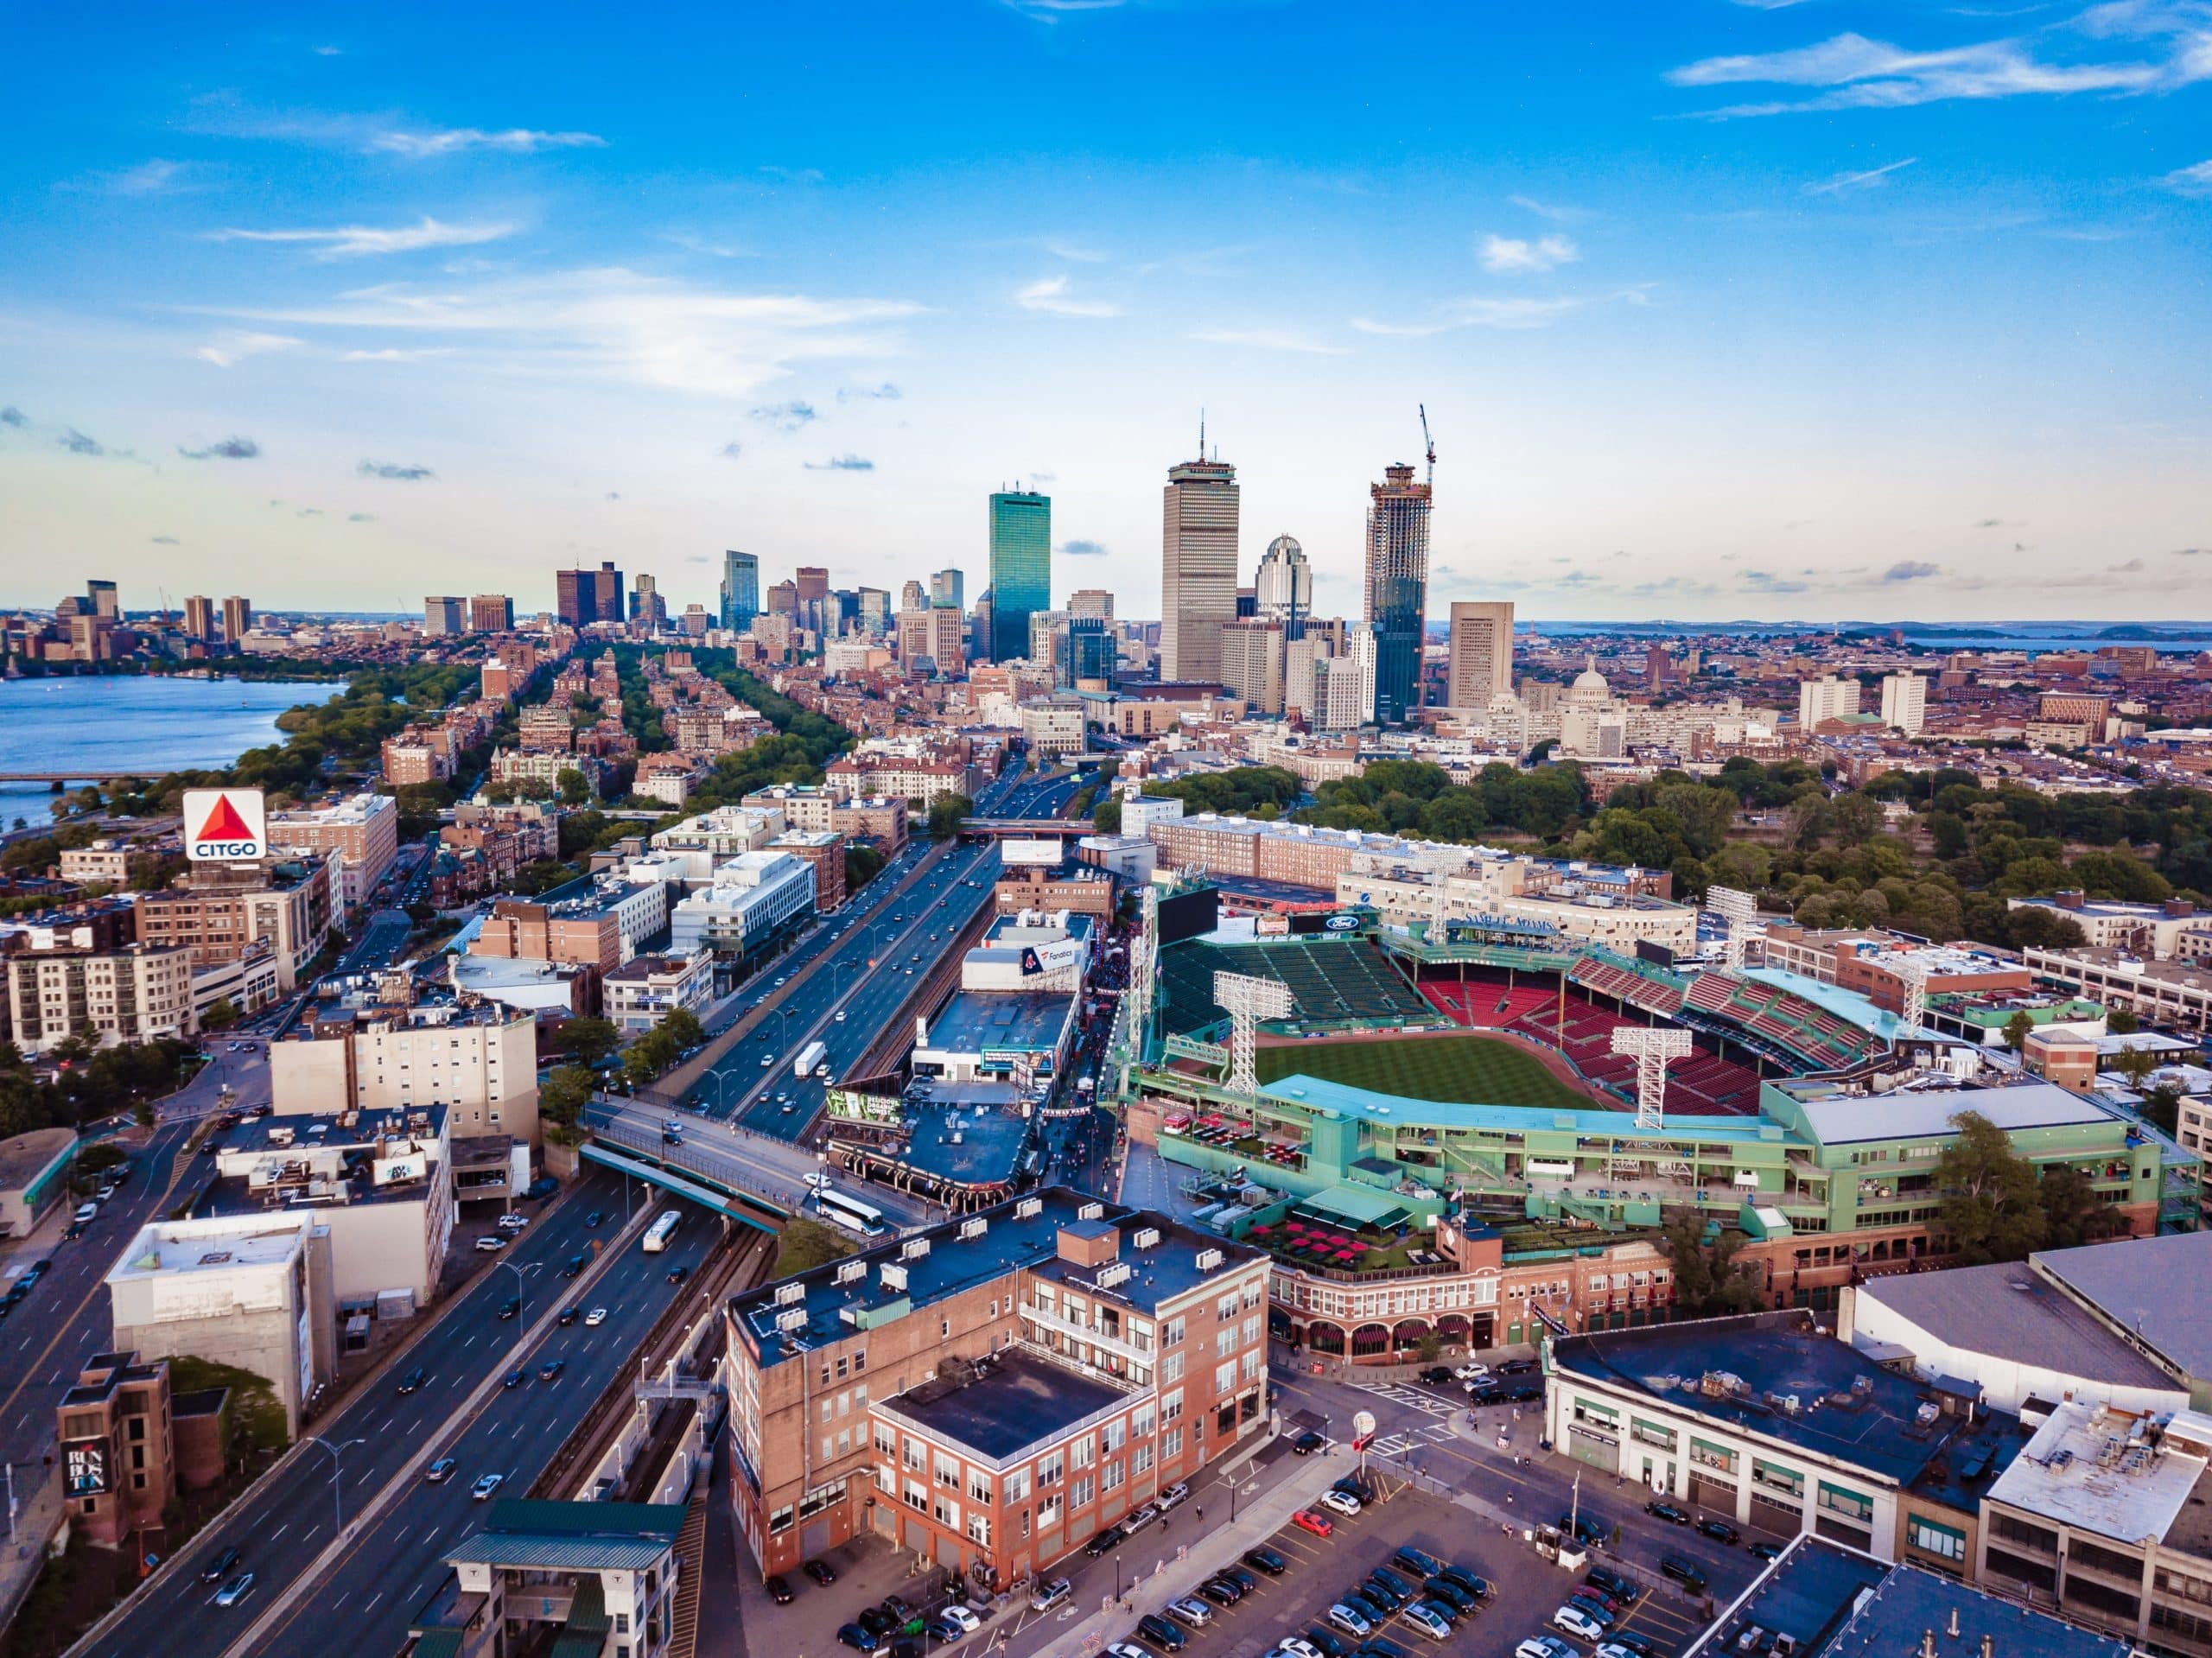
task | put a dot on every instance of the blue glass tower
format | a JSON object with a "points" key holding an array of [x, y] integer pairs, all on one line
{"points": [[1022, 568], [740, 590]]}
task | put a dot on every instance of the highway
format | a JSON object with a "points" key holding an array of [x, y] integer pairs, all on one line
{"points": [[283, 1527]]}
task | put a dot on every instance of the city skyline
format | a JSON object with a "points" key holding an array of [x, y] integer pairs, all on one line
{"points": [[1819, 312]]}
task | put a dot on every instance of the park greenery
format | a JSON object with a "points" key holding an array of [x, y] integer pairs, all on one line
{"points": [[89, 1083]]}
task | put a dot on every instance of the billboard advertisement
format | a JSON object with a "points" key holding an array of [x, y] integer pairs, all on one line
{"points": [[1271, 926], [225, 825], [1031, 852], [84, 1467], [1188, 914]]}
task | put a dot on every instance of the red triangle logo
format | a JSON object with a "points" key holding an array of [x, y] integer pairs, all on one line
{"points": [[224, 824]]}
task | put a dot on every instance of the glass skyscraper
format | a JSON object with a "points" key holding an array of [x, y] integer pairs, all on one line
{"points": [[740, 590], [1397, 590], [1022, 568]]}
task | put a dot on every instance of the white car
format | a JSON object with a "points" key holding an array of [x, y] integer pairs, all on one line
{"points": [[481, 1491], [1425, 1618], [1190, 1610], [841, 1016], [1123, 1649], [1544, 1646], [491, 1243], [596, 1318], [1297, 1649], [1343, 1501], [960, 1615], [1353, 1623], [513, 1223], [1614, 1649], [1473, 1373], [1575, 1621], [1054, 1594], [766, 1060]]}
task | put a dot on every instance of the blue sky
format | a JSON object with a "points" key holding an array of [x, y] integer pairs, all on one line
{"points": [[1812, 309]]}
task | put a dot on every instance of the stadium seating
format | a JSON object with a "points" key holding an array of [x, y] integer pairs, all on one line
{"points": [[1703, 1084], [1330, 981], [1477, 1003]]}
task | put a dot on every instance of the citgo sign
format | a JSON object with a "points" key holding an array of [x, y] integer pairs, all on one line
{"points": [[224, 825]]}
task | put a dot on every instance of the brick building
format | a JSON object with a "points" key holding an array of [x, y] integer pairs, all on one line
{"points": [[219, 914], [825, 850], [118, 1450], [358, 836], [991, 1392]]}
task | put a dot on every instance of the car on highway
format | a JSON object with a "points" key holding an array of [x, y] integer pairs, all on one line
{"points": [[511, 1308], [1343, 1502], [820, 1573], [481, 1491], [489, 1243], [569, 1315], [440, 1471], [596, 1318], [550, 1370], [593, 1220], [221, 1567], [677, 1274], [413, 1381], [574, 1267], [235, 1590], [841, 1016], [514, 1378]]}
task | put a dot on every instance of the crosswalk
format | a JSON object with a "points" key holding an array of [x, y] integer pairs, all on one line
{"points": [[1413, 1398], [1396, 1444]]}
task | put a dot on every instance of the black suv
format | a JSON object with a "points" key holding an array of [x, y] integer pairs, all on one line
{"points": [[1162, 1634], [1614, 1584], [511, 1308], [1691, 1576]]}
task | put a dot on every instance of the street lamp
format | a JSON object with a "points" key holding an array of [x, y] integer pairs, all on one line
{"points": [[337, 1490]]}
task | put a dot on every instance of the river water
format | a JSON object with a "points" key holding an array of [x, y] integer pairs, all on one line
{"points": [[133, 722]]}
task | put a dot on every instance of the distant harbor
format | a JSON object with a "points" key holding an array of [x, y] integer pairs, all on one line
{"points": [[145, 723]]}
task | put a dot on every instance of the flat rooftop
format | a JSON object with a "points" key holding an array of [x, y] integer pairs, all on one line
{"points": [[1806, 1595], [973, 1020], [26, 1156], [1910, 1598], [2100, 1470], [1018, 1400], [2009, 1311], [370, 1125], [169, 1248], [1849, 1408], [1840, 1118], [2130, 1283], [1009, 1241], [970, 1146]]}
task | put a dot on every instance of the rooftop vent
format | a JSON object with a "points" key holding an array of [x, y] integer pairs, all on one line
{"points": [[850, 1271], [1091, 1212], [1110, 1276], [792, 1318], [974, 1227], [913, 1248], [894, 1276]]}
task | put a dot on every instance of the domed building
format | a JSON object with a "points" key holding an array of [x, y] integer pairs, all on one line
{"points": [[1590, 690]]}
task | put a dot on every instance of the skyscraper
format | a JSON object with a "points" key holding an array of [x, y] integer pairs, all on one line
{"points": [[1397, 590], [913, 596], [949, 590], [1198, 567], [238, 618], [442, 615], [740, 590], [581, 597], [1284, 587], [490, 612], [1093, 652], [1482, 654], [1252, 664], [1021, 568], [199, 616], [646, 606], [100, 598], [1091, 601]]}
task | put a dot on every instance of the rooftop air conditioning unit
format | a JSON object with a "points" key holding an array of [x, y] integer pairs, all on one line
{"points": [[851, 1271], [913, 1248], [1147, 1238], [1090, 1211], [794, 1319], [894, 1276], [1028, 1207], [974, 1227], [787, 1293], [1210, 1259]]}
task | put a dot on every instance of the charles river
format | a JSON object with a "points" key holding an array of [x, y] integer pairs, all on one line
{"points": [[132, 722]]}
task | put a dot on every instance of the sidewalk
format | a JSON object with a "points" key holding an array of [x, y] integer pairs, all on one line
{"points": [[38, 1517]]}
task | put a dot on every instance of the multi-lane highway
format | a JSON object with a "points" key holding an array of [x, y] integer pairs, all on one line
{"points": [[283, 1528]]}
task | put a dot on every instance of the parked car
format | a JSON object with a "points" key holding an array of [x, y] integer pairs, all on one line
{"points": [[440, 1471], [1516, 1367], [1720, 1531], [1576, 1621], [1222, 1592], [967, 1622], [944, 1631], [1615, 1583], [1472, 1372], [1329, 1642], [1137, 1520], [1266, 1560], [1319, 1524], [877, 1622], [1480, 1587], [1173, 1494], [1687, 1573], [1053, 1595], [1765, 1551], [778, 1591], [1343, 1501], [820, 1571], [1445, 1592], [512, 1222], [1104, 1542], [1668, 1512], [491, 1243], [1162, 1633], [1586, 1601], [1424, 1617], [1419, 1562], [1621, 1644], [1195, 1613], [221, 1567], [1351, 1623], [1437, 1375], [1125, 1650], [1307, 1443], [858, 1639], [1544, 1646], [1359, 1485]]}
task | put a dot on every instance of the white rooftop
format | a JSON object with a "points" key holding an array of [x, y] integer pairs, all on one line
{"points": [[212, 1244], [2109, 1471]]}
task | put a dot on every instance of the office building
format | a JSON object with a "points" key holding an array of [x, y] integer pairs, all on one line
{"points": [[1091, 604], [582, 597], [490, 612], [648, 611], [359, 836], [1197, 566], [1048, 646], [199, 616], [100, 600], [755, 899], [238, 618], [949, 590], [252, 1291], [913, 596], [1397, 590], [67, 986], [1482, 654], [645, 990], [1093, 652], [1252, 664], [740, 590], [991, 1393], [1826, 698], [1282, 592], [1021, 568], [934, 635], [1905, 702], [443, 615]]}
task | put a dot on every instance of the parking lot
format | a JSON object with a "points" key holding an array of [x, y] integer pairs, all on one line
{"points": [[1320, 1570]]}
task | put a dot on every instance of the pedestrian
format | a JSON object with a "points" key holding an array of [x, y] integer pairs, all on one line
{"points": [[1201, 1516]]}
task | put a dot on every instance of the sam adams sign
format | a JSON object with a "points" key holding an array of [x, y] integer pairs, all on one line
{"points": [[224, 825]]}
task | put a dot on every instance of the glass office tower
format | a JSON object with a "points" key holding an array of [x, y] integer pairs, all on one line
{"points": [[1397, 590], [740, 590], [1022, 568]]}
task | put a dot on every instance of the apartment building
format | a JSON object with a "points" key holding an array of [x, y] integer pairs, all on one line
{"points": [[478, 1060], [918, 775], [117, 1447], [359, 837], [823, 850], [2155, 930], [991, 1392], [715, 837], [752, 898], [600, 929], [2171, 994], [222, 914], [63, 985]]}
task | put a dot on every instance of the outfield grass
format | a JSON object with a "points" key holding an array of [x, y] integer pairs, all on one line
{"points": [[1459, 1070]]}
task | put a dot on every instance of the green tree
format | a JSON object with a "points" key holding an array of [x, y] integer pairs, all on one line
{"points": [[590, 1040], [222, 1014], [2071, 1212], [1106, 819], [560, 1101], [946, 812], [2136, 1065], [1991, 1198], [1709, 1281], [575, 786], [2161, 1106], [2121, 1021], [2017, 1029], [682, 1027]]}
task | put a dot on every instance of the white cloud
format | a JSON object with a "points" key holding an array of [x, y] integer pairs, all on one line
{"points": [[1872, 179], [514, 141], [394, 354], [1050, 294], [235, 346], [607, 324], [1051, 11], [1477, 314], [353, 241], [2190, 180], [1551, 210], [1863, 73], [1511, 254], [1268, 339]]}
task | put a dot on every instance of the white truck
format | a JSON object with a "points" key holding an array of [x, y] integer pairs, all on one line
{"points": [[808, 1057]]}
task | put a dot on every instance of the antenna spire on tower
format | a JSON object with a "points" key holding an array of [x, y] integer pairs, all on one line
{"points": [[1201, 434]]}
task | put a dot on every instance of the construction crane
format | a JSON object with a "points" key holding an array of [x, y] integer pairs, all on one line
{"points": [[1429, 443]]}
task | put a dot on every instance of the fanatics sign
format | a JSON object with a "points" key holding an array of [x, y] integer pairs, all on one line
{"points": [[224, 825]]}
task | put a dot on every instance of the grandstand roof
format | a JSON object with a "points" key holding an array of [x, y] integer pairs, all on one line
{"points": [[1846, 1005], [1341, 1099], [1361, 1204], [1841, 1119]]}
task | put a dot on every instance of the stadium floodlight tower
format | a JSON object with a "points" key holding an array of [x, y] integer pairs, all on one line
{"points": [[1143, 948], [1912, 977], [1655, 1049], [1736, 910], [1249, 999]]}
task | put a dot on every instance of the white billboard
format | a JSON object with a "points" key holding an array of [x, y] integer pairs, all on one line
{"points": [[225, 825], [1030, 851]]}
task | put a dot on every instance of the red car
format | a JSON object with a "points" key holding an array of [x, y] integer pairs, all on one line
{"points": [[1319, 1524]]}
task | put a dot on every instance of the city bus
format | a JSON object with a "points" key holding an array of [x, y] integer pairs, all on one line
{"points": [[659, 1233], [850, 1213]]}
